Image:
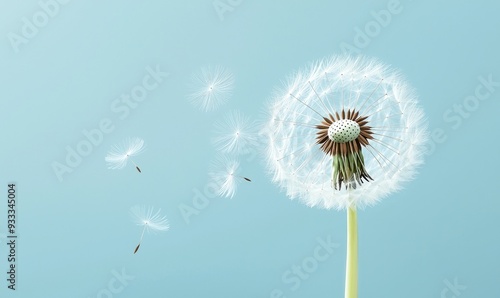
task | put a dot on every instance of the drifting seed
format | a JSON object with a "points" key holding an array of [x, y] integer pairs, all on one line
{"points": [[137, 248]]}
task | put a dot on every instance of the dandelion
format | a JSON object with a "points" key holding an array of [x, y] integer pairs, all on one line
{"points": [[224, 173], [119, 155], [344, 133], [235, 133], [212, 87], [150, 220]]}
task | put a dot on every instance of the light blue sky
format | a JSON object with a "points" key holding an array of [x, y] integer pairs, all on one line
{"points": [[76, 235]]}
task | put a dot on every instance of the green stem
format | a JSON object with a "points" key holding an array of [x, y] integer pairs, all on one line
{"points": [[351, 269]]}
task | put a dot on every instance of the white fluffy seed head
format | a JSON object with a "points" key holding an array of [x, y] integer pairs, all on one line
{"points": [[366, 85]]}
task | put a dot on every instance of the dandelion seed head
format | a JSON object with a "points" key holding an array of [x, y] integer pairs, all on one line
{"points": [[344, 131]]}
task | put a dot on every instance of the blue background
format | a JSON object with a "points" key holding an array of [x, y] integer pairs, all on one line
{"points": [[75, 234]]}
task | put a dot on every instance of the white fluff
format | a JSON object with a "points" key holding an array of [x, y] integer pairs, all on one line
{"points": [[151, 220], [235, 133], [211, 87], [118, 155], [224, 173]]}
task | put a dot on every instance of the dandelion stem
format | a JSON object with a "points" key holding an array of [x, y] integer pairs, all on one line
{"points": [[351, 270]]}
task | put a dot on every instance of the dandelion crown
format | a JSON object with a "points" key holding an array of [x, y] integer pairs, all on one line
{"points": [[344, 131]]}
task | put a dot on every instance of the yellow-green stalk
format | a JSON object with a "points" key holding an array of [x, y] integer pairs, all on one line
{"points": [[351, 266]]}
